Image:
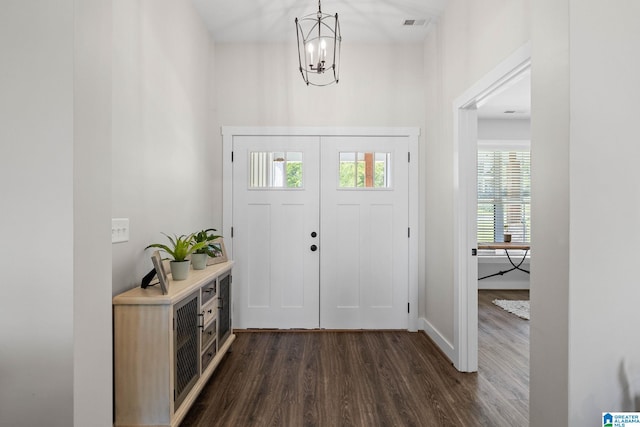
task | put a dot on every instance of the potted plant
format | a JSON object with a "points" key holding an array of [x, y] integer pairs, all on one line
{"points": [[199, 257], [507, 235], [181, 247]]}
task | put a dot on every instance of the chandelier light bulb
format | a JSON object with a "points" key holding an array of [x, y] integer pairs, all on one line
{"points": [[310, 49]]}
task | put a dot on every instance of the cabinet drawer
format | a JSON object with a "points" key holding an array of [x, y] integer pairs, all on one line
{"points": [[209, 312], [209, 291], [208, 355], [209, 334]]}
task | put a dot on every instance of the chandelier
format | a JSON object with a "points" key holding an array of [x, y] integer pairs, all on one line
{"points": [[319, 48]]}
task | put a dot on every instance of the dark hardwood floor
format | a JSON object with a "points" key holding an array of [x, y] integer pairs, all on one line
{"points": [[390, 378]]}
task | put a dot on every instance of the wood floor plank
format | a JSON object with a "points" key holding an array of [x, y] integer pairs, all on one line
{"points": [[363, 378]]}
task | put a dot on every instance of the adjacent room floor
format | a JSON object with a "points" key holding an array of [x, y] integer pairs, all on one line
{"points": [[390, 378]]}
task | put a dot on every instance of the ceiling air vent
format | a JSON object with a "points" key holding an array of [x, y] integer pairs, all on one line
{"points": [[414, 22]]}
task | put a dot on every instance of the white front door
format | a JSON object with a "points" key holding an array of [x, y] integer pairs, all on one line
{"points": [[300, 263], [364, 222], [275, 199]]}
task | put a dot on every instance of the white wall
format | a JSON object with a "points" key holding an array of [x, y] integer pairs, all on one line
{"points": [[604, 205], [260, 85], [163, 158], [470, 39], [492, 264], [92, 356], [507, 129], [36, 217], [55, 357], [549, 394]]}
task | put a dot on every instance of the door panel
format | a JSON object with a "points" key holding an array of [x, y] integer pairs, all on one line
{"points": [[258, 245], [277, 274], [364, 262], [347, 237]]}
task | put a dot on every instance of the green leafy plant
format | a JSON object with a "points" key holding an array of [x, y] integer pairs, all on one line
{"points": [[204, 237], [181, 246]]}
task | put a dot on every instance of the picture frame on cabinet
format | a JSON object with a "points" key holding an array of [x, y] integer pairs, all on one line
{"points": [[218, 249], [160, 272]]}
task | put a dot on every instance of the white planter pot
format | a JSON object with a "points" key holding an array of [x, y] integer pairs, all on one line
{"points": [[179, 269], [199, 261]]}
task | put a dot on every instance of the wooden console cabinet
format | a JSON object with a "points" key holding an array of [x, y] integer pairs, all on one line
{"points": [[167, 346]]}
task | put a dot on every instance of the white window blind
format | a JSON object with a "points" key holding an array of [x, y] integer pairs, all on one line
{"points": [[504, 195]]}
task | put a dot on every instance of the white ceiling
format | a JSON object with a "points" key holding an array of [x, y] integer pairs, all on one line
{"points": [[511, 101], [360, 20]]}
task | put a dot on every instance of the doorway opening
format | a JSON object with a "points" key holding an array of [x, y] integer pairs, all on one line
{"points": [[504, 75]]}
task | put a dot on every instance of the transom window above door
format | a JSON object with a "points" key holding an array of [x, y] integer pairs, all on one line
{"points": [[275, 169], [364, 170]]}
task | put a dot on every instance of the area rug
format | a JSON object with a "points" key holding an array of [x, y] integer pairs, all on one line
{"points": [[519, 308]]}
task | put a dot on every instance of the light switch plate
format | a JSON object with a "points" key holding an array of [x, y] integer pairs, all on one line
{"points": [[119, 230]]}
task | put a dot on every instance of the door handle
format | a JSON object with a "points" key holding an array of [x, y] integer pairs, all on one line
{"points": [[314, 248]]}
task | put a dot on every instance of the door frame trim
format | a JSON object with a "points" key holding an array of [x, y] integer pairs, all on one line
{"points": [[412, 133]]}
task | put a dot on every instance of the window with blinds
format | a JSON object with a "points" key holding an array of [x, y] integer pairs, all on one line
{"points": [[504, 195]]}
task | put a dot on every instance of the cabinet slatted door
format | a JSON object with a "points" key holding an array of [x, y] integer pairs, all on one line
{"points": [[187, 352], [224, 313]]}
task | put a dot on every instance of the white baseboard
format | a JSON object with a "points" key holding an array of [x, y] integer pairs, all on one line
{"points": [[445, 346]]}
